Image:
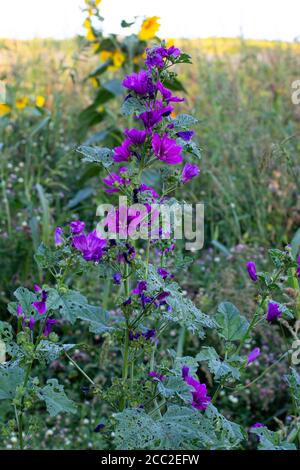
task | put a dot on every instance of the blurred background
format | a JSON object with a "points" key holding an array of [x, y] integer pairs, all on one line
{"points": [[61, 65]]}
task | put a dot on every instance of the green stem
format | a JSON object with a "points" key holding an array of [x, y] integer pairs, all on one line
{"points": [[181, 341], [79, 369]]}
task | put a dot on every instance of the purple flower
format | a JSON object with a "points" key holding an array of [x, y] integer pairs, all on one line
{"points": [[173, 51], [136, 136], [149, 334], [154, 58], [200, 398], [251, 268], [258, 425], [144, 187], [19, 310], [58, 240], [77, 227], [166, 149], [167, 94], [40, 305], [122, 153], [139, 82], [132, 336], [164, 273], [31, 323], [150, 118], [115, 180], [37, 288], [254, 354], [127, 301], [141, 286], [48, 326], [117, 277], [155, 375], [298, 267], [90, 245], [273, 312], [99, 427], [189, 172], [185, 135]]}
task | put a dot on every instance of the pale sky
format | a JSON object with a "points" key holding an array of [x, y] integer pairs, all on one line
{"points": [[257, 19]]}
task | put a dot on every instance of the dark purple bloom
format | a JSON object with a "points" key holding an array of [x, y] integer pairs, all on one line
{"points": [[189, 172], [48, 326], [298, 267], [258, 425], [251, 268], [166, 149], [185, 135], [127, 301], [155, 58], [115, 180], [141, 286], [254, 354], [19, 310], [40, 305], [133, 336], [90, 245], [127, 256], [164, 273], [155, 375], [150, 118], [99, 427], [37, 288], [167, 94], [149, 334], [77, 227], [31, 323], [200, 398], [117, 278], [122, 153], [136, 136], [273, 312], [173, 51], [58, 240], [139, 82]]}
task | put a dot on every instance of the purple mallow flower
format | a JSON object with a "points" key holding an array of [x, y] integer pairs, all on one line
{"points": [[58, 240], [141, 83], [200, 398], [166, 149], [251, 268], [155, 375], [40, 305], [99, 427], [185, 135], [122, 153], [150, 118], [164, 273], [167, 94], [298, 266], [253, 355], [117, 277], [77, 227], [258, 425], [273, 312], [48, 326], [141, 286], [136, 136], [115, 180], [19, 310], [189, 172], [90, 245]]}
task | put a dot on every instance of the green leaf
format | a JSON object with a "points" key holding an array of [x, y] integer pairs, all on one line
{"points": [[185, 122], [295, 244], [114, 86], [46, 257], [73, 306], [175, 386], [293, 380], [228, 434], [269, 440], [101, 69], [25, 298], [50, 351], [55, 398], [6, 337], [80, 196], [100, 155], [233, 325], [190, 147], [132, 105], [11, 376], [216, 366], [180, 428], [136, 430]]}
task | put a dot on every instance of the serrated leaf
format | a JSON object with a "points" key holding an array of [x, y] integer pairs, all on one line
{"points": [[132, 105], [11, 376], [55, 398], [46, 257], [269, 440], [136, 430], [175, 386], [100, 155], [73, 306], [216, 366], [25, 298], [233, 325], [50, 351], [184, 121]]}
